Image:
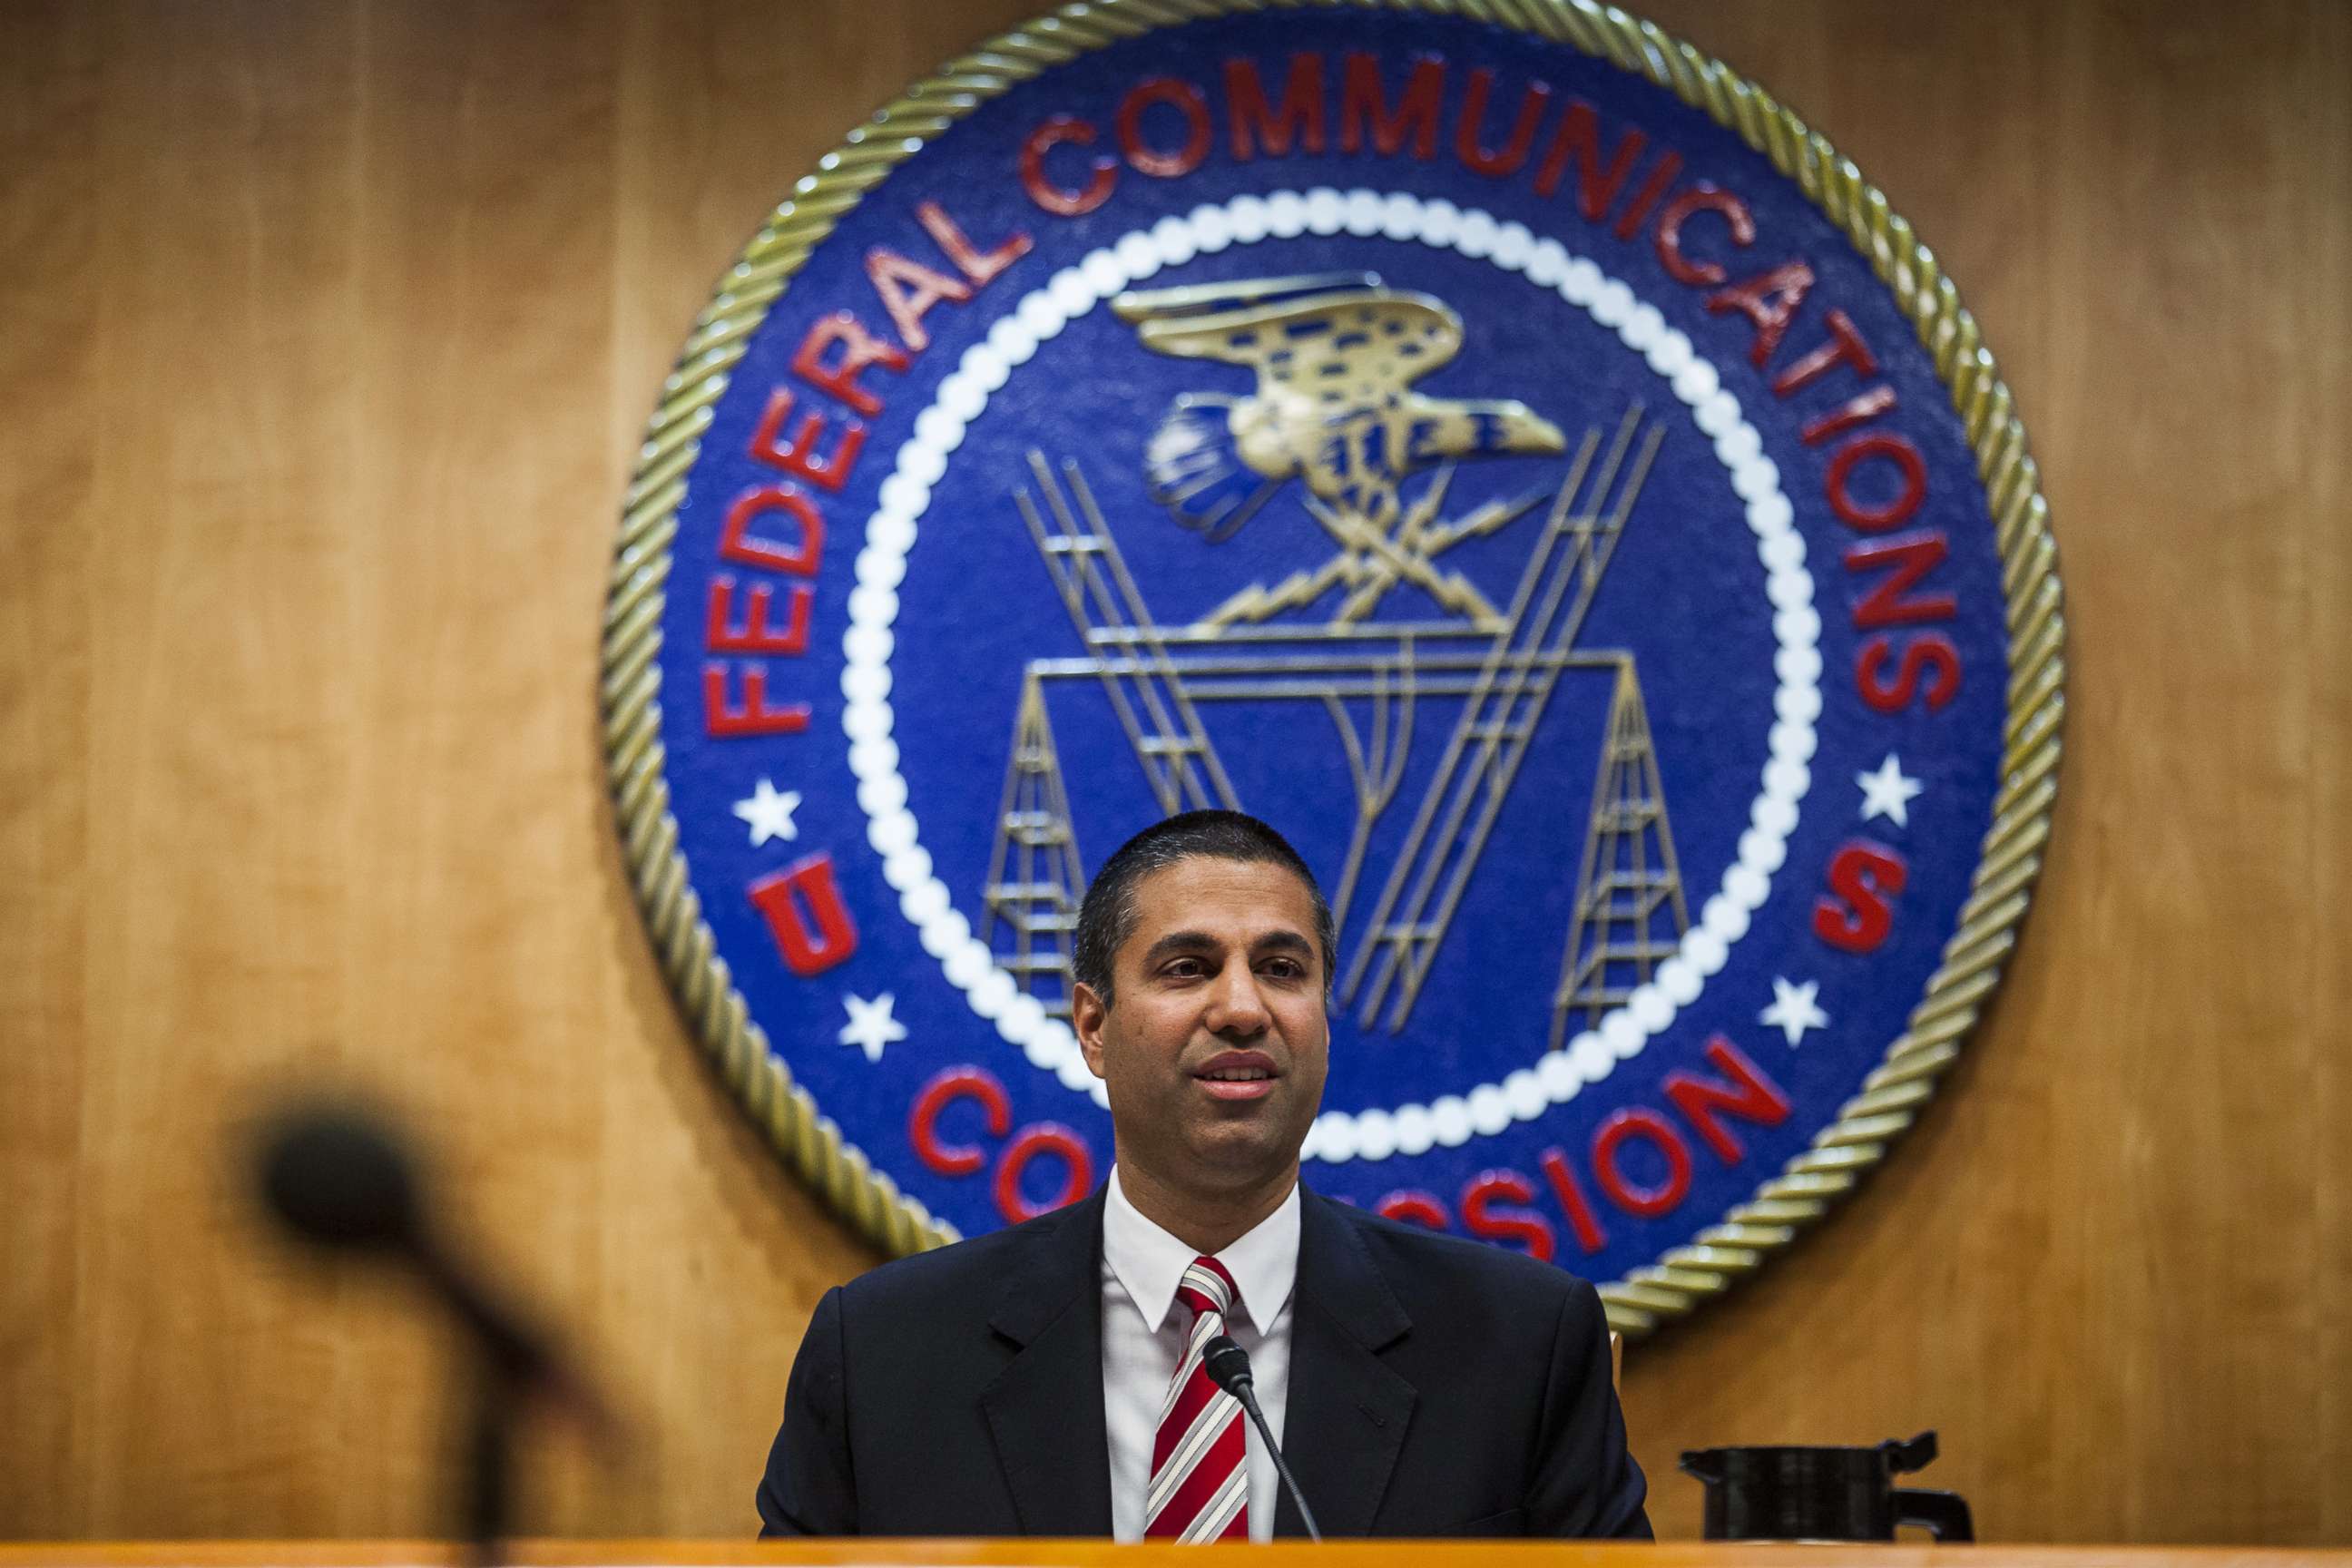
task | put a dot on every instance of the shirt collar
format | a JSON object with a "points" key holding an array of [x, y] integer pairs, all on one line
{"points": [[1150, 1263]]}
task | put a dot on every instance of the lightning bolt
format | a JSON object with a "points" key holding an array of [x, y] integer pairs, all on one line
{"points": [[1485, 520], [1450, 589], [1453, 590], [1256, 601]]}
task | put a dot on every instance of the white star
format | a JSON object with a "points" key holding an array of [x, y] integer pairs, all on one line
{"points": [[871, 1025], [1793, 1010], [1888, 792], [770, 814]]}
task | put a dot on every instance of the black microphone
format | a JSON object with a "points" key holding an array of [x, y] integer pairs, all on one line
{"points": [[1228, 1367], [337, 1180], [340, 1181]]}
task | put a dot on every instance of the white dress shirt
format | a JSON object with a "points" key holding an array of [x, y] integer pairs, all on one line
{"points": [[1144, 1337]]}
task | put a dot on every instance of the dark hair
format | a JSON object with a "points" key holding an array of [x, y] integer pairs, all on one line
{"points": [[1106, 919]]}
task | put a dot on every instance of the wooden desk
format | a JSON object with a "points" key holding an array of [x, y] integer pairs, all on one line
{"points": [[1091, 1554]]}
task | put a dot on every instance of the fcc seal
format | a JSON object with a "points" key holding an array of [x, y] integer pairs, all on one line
{"points": [[1527, 466]]}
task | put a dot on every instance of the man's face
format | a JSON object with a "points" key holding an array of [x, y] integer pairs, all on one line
{"points": [[1215, 1047]]}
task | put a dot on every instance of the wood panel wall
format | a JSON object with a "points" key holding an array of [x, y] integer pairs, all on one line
{"points": [[326, 333]]}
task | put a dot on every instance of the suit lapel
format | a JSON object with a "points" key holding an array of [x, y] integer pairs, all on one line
{"points": [[1045, 1410], [1346, 1413]]}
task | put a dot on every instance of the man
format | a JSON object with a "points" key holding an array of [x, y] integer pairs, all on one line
{"points": [[1046, 1380]]}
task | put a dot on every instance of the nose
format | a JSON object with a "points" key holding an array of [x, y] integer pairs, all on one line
{"points": [[1235, 1009]]}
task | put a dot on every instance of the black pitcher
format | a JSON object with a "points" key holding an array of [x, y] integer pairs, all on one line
{"points": [[1823, 1494]]}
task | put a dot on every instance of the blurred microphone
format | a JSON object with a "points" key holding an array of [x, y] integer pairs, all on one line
{"points": [[1228, 1367], [337, 1180], [340, 1181]]}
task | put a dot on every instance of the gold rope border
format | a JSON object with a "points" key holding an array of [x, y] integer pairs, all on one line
{"points": [[1892, 1096]]}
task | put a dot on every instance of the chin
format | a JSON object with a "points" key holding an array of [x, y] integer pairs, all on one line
{"points": [[1243, 1162]]}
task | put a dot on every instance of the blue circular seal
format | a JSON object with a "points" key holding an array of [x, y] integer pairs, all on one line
{"points": [[1559, 498]]}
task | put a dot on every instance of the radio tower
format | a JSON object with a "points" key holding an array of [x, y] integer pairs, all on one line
{"points": [[1629, 915], [1034, 881]]}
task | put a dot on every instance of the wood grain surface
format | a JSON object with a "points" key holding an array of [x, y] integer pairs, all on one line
{"points": [[327, 331], [1035, 1553]]}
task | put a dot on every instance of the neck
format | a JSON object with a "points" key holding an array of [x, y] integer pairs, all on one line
{"points": [[1208, 1223]]}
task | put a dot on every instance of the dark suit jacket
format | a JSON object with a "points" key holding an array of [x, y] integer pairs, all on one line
{"points": [[1437, 1387]]}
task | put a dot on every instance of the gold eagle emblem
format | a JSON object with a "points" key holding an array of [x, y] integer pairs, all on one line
{"points": [[1335, 356]]}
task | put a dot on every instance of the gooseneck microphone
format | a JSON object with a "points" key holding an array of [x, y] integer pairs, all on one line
{"points": [[1228, 1367], [341, 1182]]}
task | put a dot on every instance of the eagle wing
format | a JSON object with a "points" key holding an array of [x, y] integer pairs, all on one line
{"points": [[1352, 351]]}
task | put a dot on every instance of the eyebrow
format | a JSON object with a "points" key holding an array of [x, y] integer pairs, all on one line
{"points": [[1177, 942], [1283, 942]]}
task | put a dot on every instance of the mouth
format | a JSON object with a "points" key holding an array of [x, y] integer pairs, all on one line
{"points": [[1237, 1075]]}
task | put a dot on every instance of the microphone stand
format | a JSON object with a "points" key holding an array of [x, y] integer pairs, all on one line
{"points": [[484, 1509], [341, 1183], [1228, 1366]]}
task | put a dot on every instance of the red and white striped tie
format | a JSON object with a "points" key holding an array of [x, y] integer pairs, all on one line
{"points": [[1199, 1477]]}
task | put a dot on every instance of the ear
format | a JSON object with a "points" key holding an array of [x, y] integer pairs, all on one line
{"points": [[1087, 1016]]}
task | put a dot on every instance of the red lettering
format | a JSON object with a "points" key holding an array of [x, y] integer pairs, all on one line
{"points": [[976, 264], [805, 915], [1750, 1096], [1642, 1203], [1847, 414], [1929, 653], [798, 456], [755, 635], [922, 1122], [723, 722], [1469, 141], [737, 543], [1579, 134], [1360, 106], [1668, 241], [1570, 1193], [1845, 347], [1481, 1216], [1768, 300], [1858, 911], [1662, 174], [1060, 200], [859, 348], [907, 291], [1910, 467], [1914, 555], [1300, 119], [1415, 1207], [1044, 1138], [1186, 99]]}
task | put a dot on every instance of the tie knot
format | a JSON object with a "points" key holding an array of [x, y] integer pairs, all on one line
{"points": [[1207, 1288]]}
